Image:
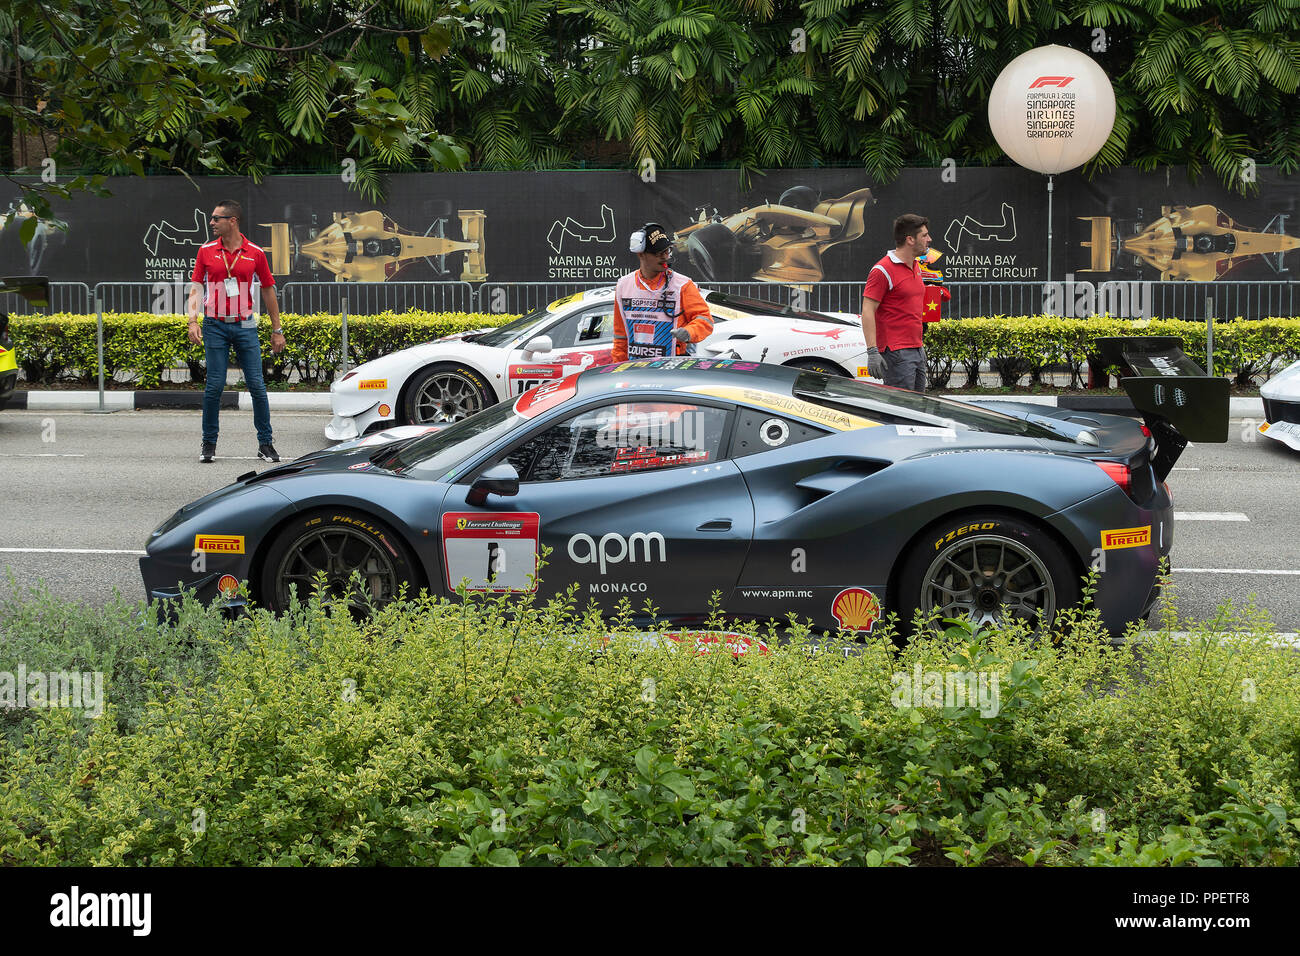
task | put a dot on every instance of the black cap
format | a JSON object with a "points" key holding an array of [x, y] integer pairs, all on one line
{"points": [[657, 238]]}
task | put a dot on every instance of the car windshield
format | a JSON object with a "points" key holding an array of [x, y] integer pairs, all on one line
{"points": [[901, 406], [435, 456], [511, 331]]}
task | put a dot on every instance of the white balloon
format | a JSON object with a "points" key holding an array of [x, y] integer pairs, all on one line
{"points": [[1052, 109]]}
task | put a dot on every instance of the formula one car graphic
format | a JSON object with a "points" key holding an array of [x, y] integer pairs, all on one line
{"points": [[668, 479], [1281, 395], [1196, 243], [454, 377], [774, 242], [36, 290], [371, 247]]}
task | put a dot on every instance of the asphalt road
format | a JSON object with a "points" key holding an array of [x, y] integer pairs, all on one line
{"points": [[79, 494]]}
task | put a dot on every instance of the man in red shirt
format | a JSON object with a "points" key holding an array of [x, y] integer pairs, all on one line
{"points": [[228, 271], [891, 308]]}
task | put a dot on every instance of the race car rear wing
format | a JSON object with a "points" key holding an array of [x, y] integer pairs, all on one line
{"points": [[1177, 400]]}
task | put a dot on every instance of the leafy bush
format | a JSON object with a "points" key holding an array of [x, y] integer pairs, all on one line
{"points": [[62, 347], [470, 733]]}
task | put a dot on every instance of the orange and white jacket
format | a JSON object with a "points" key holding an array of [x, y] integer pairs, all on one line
{"points": [[680, 304]]}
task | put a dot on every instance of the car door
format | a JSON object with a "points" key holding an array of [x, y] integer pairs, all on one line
{"points": [[634, 498], [582, 339]]}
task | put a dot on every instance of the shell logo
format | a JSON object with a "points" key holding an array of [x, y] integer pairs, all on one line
{"points": [[856, 609], [227, 585]]}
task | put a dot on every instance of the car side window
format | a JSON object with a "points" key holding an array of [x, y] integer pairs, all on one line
{"points": [[597, 326], [758, 431], [623, 438]]}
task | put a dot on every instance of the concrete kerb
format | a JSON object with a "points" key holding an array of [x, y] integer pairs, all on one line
{"points": [[162, 399]]}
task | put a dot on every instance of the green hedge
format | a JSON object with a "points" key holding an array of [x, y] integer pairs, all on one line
{"points": [[443, 733], [62, 347]]}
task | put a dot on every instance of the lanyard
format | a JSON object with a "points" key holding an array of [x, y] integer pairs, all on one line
{"points": [[222, 251]]}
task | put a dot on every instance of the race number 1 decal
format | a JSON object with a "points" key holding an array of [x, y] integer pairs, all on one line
{"points": [[495, 552]]}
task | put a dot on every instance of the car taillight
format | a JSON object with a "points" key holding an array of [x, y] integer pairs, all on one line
{"points": [[348, 375], [1120, 473]]}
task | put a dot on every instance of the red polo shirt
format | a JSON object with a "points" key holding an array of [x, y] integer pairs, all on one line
{"points": [[901, 293], [247, 265]]}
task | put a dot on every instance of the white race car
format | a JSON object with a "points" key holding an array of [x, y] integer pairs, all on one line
{"points": [[1281, 395], [454, 377], [830, 342]]}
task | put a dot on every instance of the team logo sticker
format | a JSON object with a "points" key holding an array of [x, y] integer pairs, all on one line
{"points": [[856, 609], [219, 543], [1126, 538], [372, 384], [227, 585], [494, 551]]}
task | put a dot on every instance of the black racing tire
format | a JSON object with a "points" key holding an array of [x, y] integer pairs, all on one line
{"points": [[712, 250], [337, 541], [298, 214], [959, 564], [445, 392], [825, 366], [436, 209]]}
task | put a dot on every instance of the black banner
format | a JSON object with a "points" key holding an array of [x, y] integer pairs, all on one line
{"points": [[792, 226]]}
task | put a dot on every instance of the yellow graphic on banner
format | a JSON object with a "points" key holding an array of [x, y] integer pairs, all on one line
{"points": [[809, 411]]}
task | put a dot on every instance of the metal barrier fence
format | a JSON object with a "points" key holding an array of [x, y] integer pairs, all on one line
{"points": [[1075, 297], [371, 298], [71, 297]]}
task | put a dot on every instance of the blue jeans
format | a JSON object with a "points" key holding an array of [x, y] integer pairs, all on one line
{"points": [[218, 337]]}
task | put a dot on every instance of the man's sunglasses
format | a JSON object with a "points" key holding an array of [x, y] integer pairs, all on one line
{"points": [[210, 218]]}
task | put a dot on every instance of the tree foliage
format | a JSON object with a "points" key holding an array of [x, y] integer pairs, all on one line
{"points": [[255, 86]]}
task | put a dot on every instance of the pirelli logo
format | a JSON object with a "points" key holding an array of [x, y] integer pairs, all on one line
{"points": [[219, 543], [1125, 538], [372, 384]]}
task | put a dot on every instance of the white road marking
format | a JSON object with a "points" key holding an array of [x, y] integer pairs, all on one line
{"points": [[1233, 571], [1209, 516], [48, 454], [65, 551], [1284, 640], [1186, 469]]}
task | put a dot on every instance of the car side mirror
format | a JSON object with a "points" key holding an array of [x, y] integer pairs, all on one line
{"points": [[538, 344], [500, 479]]}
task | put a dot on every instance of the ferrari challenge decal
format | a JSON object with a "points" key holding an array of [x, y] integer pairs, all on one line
{"points": [[705, 641], [545, 397], [1125, 538], [219, 543], [857, 609], [723, 365], [372, 384], [525, 376], [494, 551], [808, 411]]}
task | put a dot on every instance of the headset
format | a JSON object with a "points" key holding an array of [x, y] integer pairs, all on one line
{"points": [[637, 240]]}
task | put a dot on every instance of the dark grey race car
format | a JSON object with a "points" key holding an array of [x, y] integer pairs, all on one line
{"points": [[784, 489]]}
